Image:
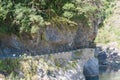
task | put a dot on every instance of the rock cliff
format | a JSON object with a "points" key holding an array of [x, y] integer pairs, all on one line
{"points": [[52, 39]]}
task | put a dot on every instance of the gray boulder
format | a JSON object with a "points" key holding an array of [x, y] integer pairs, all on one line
{"points": [[102, 57], [91, 67]]}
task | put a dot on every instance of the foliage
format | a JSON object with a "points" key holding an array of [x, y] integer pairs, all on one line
{"points": [[8, 65], [30, 15], [29, 67], [69, 10], [108, 8], [108, 36]]}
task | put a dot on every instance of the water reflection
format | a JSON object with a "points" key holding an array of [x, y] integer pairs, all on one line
{"points": [[110, 72], [109, 67], [110, 76]]}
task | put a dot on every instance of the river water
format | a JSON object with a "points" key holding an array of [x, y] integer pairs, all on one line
{"points": [[110, 76]]}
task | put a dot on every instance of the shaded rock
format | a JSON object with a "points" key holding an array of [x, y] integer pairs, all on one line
{"points": [[109, 60], [91, 67], [10, 44], [97, 50], [52, 39], [102, 56], [53, 35], [6, 50]]}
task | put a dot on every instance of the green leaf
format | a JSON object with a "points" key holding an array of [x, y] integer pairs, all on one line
{"points": [[68, 14], [69, 6]]}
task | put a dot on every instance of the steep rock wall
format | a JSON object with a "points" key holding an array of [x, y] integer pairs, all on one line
{"points": [[52, 39]]}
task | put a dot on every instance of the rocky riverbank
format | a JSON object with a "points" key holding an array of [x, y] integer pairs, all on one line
{"points": [[109, 59], [73, 65]]}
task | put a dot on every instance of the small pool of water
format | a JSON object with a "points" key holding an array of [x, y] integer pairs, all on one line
{"points": [[110, 76]]}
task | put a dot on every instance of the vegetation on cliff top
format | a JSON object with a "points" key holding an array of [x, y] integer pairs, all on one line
{"points": [[17, 16]]}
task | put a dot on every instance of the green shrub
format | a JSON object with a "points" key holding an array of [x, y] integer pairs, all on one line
{"points": [[30, 15], [9, 65]]}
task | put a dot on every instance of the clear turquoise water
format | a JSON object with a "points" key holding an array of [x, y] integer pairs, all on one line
{"points": [[110, 76]]}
